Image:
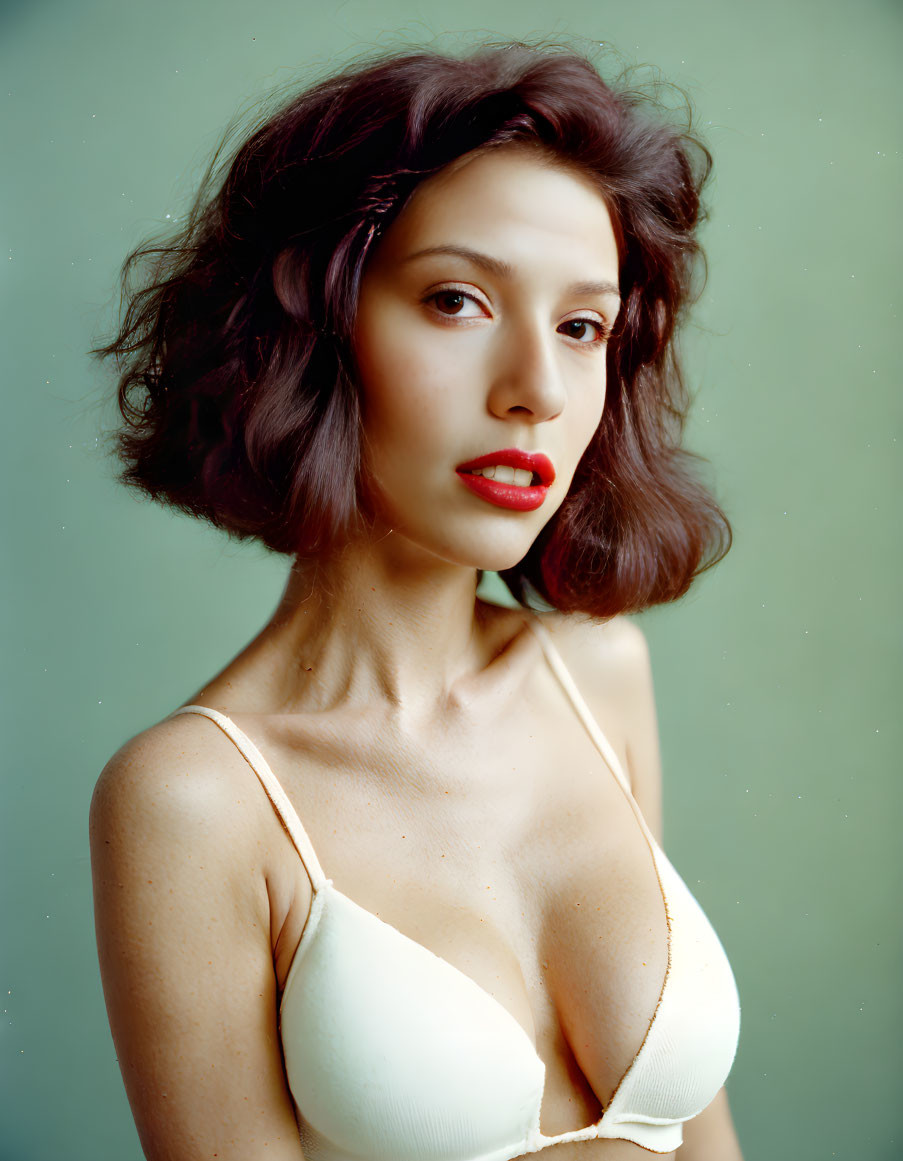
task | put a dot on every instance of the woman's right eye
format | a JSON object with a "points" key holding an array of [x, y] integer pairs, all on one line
{"points": [[452, 302]]}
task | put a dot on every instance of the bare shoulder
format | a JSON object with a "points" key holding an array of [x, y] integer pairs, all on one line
{"points": [[611, 664], [179, 779], [183, 923], [611, 652], [173, 812]]}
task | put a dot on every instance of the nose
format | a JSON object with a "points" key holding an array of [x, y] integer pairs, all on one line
{"points": [[527, 381]]}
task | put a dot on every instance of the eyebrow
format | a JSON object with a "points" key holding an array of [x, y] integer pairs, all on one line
{"points": [[504, 270]]}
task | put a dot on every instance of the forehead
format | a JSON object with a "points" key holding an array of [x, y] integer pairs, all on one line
{"points": [[511, 201]]}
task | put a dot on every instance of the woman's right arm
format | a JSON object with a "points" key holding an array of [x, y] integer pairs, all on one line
{"points": [[183, 934]]}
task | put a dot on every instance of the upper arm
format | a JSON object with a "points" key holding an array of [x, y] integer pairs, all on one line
{"points": [[711, 1135], [182, 923]]}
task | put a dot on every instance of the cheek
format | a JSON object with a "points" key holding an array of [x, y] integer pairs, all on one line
{"points": [[406, 390], [590, 404], [404, 404]]}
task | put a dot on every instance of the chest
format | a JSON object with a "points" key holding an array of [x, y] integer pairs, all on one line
{"points": [[501, 841]]}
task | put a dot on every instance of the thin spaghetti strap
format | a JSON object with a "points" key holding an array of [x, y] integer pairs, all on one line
{"points": [[561, 672], [270, 783]]}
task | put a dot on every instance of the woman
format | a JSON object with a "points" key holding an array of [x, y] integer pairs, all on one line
{"points": [[424, 328]]}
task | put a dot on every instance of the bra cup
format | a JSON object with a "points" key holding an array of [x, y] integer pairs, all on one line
{"points": [[392, 1054], [692, 1042]]}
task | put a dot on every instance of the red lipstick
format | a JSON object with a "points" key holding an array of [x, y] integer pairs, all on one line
{"points": [[515, 496]]}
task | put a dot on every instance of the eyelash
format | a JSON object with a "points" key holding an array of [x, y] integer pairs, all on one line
{"points": [[603, 331]]}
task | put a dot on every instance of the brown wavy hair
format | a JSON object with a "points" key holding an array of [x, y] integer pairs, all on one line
{"points": [[237, 387]]}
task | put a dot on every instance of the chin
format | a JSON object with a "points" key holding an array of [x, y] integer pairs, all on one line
{"points": [[497, 562], [461, 542], [490, 559], [498, 553]]}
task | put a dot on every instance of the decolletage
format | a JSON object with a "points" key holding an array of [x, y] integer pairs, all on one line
{"points": [[393, 1054]]}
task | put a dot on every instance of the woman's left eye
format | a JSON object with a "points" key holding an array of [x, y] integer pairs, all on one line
{"points": [[598, 332]]}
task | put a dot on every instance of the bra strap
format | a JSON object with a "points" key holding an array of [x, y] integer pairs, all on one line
{"points": [[270, 783], [593, 729]]}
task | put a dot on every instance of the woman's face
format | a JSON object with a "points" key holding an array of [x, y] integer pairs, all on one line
{"points": [[481, 330]]}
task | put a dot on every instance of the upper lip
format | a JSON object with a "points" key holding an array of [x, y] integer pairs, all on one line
{"points": [[513, 457]]}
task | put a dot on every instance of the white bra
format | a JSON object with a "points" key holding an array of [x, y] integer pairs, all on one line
{"points": [[393, 1054]]}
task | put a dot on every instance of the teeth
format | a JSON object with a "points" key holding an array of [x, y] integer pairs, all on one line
{"points": [[505, 475]]}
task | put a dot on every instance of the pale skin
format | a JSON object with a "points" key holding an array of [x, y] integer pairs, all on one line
{"points": [[382, 674]]}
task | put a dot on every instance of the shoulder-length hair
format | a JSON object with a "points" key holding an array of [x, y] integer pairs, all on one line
{"points": [[237, 387]]}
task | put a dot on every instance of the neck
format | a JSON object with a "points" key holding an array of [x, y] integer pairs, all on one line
{"points": [[376, 623]]}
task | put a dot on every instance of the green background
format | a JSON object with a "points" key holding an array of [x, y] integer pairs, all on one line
{"points": [[778, 677]]}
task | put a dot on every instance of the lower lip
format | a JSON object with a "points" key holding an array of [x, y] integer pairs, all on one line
{"points": [[505, 495]]}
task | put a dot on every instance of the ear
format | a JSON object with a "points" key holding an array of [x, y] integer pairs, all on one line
{"points": [[290, 282]]}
